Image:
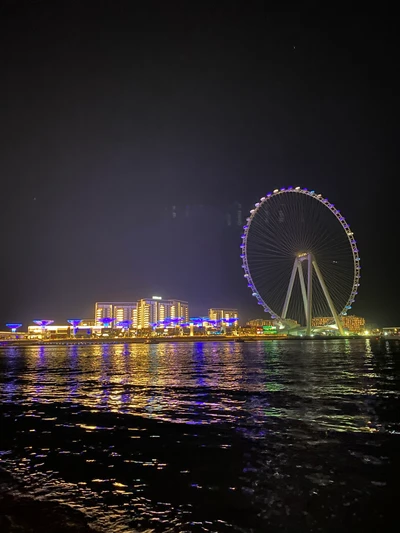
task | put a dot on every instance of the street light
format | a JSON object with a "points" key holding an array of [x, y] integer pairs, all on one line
{"points": [[14, 327], [43, 324]]}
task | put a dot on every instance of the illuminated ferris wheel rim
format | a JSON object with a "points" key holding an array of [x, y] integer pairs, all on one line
{"points": [[339, 217]]}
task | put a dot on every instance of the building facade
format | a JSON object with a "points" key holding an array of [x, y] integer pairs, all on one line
{"points": [[119, 311], [259, 322], [354, 324], [157, 311], [222, 313]]}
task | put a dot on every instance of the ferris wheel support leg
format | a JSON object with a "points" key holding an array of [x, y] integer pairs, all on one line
{"points": [[290, 288], [303, 287], [328, 298], [309, 293]]}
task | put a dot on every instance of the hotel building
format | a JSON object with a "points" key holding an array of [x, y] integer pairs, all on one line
{"points": [[221, 313], [156, 310], [119, 311]]}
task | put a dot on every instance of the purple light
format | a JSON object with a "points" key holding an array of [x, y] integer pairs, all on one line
{"points": [[106, 321], [14, 327], [124, 323], [43, 323], [74, 322]]}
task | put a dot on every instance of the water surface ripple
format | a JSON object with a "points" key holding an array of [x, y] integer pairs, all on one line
{"points": [[253, 437]]}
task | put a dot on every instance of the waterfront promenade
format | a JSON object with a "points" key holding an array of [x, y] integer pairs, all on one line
{"points": [[162, 340]]}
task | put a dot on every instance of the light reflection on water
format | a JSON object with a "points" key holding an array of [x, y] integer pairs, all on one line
{"points": [[206, 436]]}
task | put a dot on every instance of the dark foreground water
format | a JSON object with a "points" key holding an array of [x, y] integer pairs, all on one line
{"points": [[254, 437]]}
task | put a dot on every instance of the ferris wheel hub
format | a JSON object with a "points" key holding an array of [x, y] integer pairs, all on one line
{"points": [[303, 255]]}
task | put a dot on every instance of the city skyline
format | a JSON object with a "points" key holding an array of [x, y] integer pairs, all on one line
{"points": [[91, 161]]}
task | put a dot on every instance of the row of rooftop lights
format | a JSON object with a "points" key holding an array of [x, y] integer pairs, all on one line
{"points": [[107, 321]]}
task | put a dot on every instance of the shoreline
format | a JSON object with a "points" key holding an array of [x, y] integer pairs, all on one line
{"points": [[168, 340], [22, 512]]}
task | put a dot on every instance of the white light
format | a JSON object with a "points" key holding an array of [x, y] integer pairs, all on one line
{"points": [[297, 188], [156, 297], [276, 190]]}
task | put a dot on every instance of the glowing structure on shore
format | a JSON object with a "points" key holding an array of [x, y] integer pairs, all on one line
{"points": [[106, 321], [43, 324], [14, 326], [74, 323], [289, 228], [124, 324]]}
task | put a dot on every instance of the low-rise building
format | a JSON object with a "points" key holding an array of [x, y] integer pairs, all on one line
{"points": [[259, 322], [354, 324]]}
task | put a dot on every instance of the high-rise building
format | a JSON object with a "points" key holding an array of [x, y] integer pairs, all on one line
{"points": [[119, 311], [222, 313], [156, 310]]}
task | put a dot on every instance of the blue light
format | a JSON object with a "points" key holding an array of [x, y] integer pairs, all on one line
{"points": [[124, 323], [106, 321], [43, 323], [74, 321], [14, 326]]}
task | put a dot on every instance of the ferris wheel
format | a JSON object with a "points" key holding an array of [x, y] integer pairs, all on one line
{"points": [[300, 258]]}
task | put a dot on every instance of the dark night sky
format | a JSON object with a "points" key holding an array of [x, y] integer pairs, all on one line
{"points": [[112, 112]]}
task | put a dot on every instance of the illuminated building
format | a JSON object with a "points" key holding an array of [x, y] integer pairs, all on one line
{"points": [[51, 331], [354, 324], [59, 332], [259, 322], [119, 311], [43, 324], [103, 310], [156, 311], [88, 322], [223, 315], [318, 321]]}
